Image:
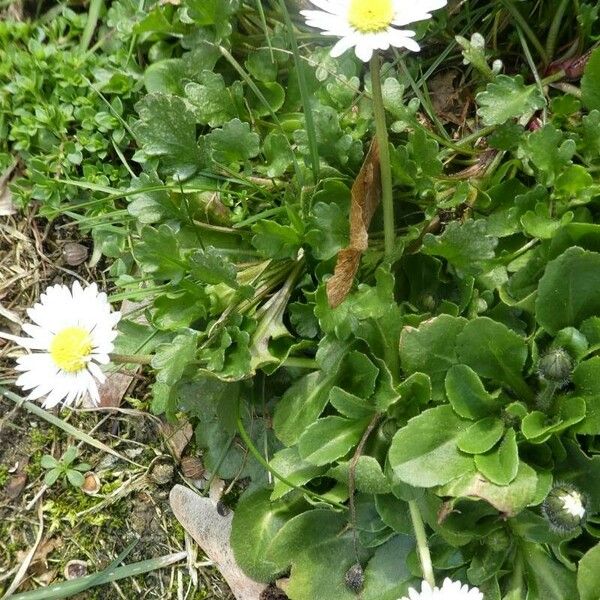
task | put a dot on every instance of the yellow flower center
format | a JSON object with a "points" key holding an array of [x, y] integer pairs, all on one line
{"points": [[70, 347], [369, 16]]}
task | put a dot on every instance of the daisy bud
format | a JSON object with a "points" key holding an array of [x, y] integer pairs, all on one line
{"points": [[564, 508], [556, 366]]}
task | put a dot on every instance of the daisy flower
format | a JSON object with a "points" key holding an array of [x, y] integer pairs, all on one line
{"points": [[72, 335], [369, 25], [450, 590]]}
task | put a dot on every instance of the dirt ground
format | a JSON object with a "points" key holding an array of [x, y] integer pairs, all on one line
{"points": [[62, 529]]}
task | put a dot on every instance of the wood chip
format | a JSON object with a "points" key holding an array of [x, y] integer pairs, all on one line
{"points": [[210, 530]]}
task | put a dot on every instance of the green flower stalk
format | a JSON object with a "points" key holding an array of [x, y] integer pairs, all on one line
{"points": [[369, 26]]}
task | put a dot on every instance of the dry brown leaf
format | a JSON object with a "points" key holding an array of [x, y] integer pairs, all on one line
{"points": [[114, 389], [15, 485], [177, 436], [118, 383], [40, 557], [366, 196]]}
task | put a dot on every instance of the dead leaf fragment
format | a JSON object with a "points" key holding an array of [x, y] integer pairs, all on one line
{"points": [[7, 206], [366, 196], [177, 436], [210, 530]]}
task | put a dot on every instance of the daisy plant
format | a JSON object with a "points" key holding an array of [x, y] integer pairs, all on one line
{"points": [[369, 26], [71, 336]]}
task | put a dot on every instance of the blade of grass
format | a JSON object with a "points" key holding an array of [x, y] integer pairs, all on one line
{"points": [[311, 131], [522, 22], [111, 573], [38, 411], [263, 21], [90, 23]]}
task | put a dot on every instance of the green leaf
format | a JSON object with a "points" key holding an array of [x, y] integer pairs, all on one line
{"points": [[424, 453], [217, 14], [75, 478], [580, 470], [69, 456], [165, 77], [328, 230], [424, 151], [369, 477], [151, 206], [586, 379], [541, 224], [537, 426], [588, 572], [273, 240], [262, 66], [51, 476], [234, 143], [359, 374], [329, 438], [387, 574], [212, 102], [256, 521], [430, 349], [167, 130], [508, 98], [172, 359], [508, 499], [173, 311], [211, 267], [590, 82], [273, 95], [319, 547], [546, 577], [159, 253], [394, 513], [466, 246], [334, 145], [278, 154], [467, 395], [493, 350], [305, 400], [48, 462], [501, 464], [481, 436], [350, 405], [568, 290], [293, 468], [590, 135], [549, 152]]}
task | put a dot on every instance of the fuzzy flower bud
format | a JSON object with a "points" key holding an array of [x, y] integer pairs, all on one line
{"points": [[556, 366], [564, 508]]}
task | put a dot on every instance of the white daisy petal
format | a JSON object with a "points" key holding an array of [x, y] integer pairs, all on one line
{"points": [[73, 329], [369, 25], [450, 590], [342, 45]]}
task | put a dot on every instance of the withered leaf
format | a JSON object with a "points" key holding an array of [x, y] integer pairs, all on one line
{"points": [[366, 196]]}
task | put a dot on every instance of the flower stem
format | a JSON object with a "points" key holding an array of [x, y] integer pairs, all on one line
{"points": [[422, 548], [134, 359], [384, 157]]}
